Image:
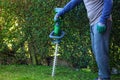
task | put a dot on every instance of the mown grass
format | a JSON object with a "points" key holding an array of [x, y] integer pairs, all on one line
{"points": [[25, 72]]}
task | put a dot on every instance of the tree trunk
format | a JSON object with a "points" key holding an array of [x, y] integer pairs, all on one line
{"points": [[32, 53]]}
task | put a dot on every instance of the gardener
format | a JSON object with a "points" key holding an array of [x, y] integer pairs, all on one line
{"points": [[100, 24]]}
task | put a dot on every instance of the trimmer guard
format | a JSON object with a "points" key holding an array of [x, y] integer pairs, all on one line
{"points": [[57, 37]]}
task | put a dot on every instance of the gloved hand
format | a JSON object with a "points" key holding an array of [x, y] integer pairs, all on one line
{"points": [[101, 28], [56, 17]]}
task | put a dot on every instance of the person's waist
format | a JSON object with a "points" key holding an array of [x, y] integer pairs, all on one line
{"points": [[96, 20]]}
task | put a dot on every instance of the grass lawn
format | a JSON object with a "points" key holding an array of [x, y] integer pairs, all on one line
{"points": [[25, 72]]}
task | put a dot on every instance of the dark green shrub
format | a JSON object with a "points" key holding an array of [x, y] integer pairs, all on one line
{"points": [[26, 24]]}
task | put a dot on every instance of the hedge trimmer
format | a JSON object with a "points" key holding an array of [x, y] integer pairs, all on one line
{"points": [[57, 34]]}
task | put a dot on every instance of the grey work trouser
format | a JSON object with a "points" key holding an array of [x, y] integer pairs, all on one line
{"points": [[100, 47]]}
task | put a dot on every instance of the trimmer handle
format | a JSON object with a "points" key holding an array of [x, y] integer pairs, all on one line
{"points": [[56, 37], [57, 34], [58, 9]]}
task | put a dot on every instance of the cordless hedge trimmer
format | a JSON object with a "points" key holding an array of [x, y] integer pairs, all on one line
{"points": [[57, 34]]}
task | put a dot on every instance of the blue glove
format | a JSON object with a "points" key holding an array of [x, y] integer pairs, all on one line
{"points": [[101, 28]]}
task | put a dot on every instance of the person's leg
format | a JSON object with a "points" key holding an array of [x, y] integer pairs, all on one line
{"points": [[100, 46], [92, 38]]}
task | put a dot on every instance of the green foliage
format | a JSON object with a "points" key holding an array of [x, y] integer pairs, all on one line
{"points": [[24, 33]]}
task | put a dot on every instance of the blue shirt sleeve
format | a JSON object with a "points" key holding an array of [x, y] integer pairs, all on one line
{"points": [[69, 6], [107, 8]]}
